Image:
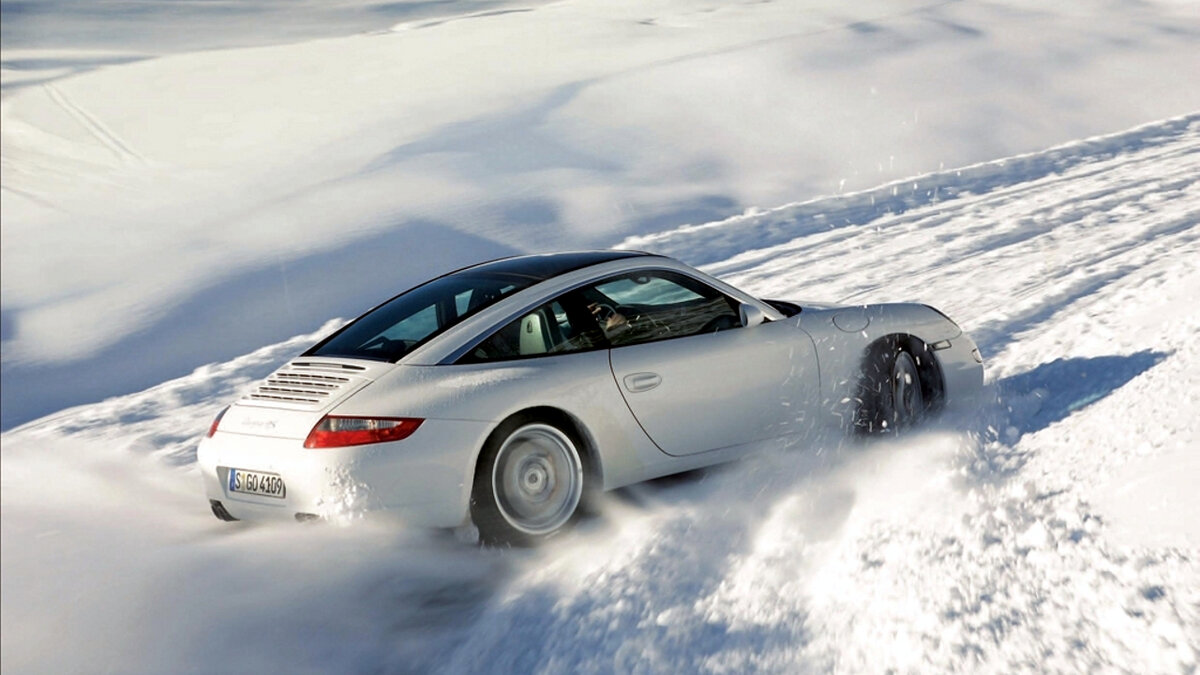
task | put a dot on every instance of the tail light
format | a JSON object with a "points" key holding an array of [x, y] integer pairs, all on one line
{"points": [[212, 428], [335, 431]]}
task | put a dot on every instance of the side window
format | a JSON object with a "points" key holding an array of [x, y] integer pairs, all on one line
{"points": [[557, 327], [649, 306]]}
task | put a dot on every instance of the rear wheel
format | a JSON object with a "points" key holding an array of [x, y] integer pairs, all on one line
{"points": [[529, 483]]}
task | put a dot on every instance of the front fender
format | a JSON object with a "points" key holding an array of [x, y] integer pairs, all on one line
{"points": [[844, 335]]}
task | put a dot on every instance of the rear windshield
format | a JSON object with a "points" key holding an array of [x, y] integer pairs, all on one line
{"points": [[396, 327]]}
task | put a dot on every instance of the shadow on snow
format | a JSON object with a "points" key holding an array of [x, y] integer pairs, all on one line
{"points": [[1036, 399]]}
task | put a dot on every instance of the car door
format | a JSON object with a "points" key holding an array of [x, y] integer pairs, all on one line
{"points": [[694, 378]]}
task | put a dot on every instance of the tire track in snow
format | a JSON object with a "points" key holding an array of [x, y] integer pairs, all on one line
{"points": [[105, 136], [845, 559], [1005, 575], [1114, 213], [730, 239]]}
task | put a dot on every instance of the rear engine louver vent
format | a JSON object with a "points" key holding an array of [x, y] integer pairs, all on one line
{"points": [[307, 384], [326, 366]]}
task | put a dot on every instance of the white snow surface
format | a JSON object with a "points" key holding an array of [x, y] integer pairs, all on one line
{"points": [[173, 168], [184, 182], [1052, 530]]}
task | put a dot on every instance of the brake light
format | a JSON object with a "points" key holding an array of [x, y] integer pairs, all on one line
{"points": [[335, 431], [212, 428]]}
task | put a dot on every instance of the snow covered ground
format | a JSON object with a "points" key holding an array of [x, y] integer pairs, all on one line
{"points": [[180, 184], [1055, 530]]}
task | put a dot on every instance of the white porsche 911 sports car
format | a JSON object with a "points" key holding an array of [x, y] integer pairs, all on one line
{"points": [[506, 393]]}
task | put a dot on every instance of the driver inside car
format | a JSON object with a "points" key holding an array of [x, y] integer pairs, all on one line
{"points": [[613, 322]]}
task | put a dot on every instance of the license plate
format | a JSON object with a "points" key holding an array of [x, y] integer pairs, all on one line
{"points": [[256, 483]]}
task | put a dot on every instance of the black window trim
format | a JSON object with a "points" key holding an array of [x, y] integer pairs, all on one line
{"points": [[785, 307]]}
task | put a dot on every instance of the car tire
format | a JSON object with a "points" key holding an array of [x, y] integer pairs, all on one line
{"points": [[896, 394], [530, 483]]}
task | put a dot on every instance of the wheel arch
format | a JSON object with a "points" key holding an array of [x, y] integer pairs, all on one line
{"points": [[572, 425]]}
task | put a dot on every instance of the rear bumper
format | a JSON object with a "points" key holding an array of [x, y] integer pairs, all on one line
{"points": [[424, 479]]}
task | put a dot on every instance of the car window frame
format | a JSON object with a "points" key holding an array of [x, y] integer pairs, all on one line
{"points": [[444, 307], [468, 357], [464, 355], [667, 274]]}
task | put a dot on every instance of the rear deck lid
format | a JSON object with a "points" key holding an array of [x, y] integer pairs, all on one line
{"points": [[293, 398], [313, 383]]}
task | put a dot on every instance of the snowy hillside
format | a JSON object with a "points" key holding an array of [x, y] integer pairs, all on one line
{"points": [[181, 180], [1058, 529], [185, 182]]}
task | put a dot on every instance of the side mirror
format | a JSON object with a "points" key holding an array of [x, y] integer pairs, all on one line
{"points": [[750, 315]]}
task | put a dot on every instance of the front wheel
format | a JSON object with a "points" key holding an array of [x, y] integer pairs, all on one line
{"points": [[906, 402], [529, 483], [897, 392]]}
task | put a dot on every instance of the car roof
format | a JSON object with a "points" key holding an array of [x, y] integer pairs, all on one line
{"points": [[545, 266]]}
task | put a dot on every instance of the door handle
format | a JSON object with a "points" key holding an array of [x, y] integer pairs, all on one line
{"points": [[636, 382]]}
